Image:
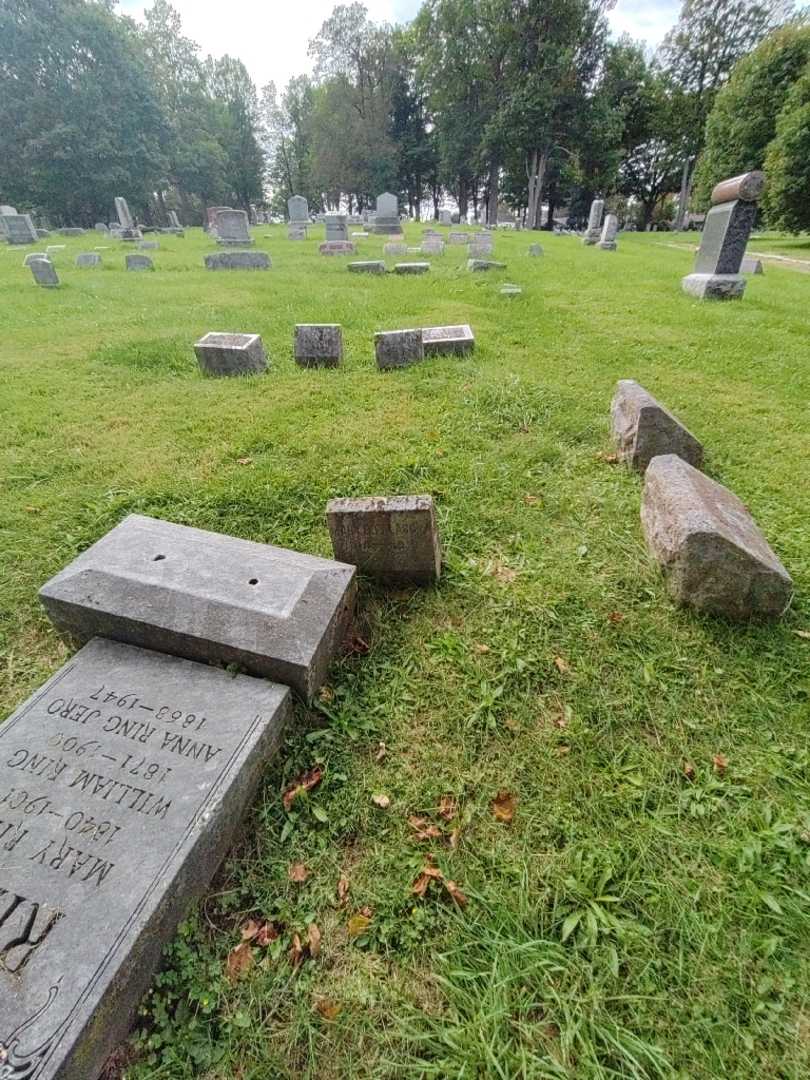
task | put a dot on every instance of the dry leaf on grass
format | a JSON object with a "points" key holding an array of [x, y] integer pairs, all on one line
{"points": [[720, 763], [329, 1010], [616, 617], [358, 645], [314, 940], [609, 459], [482, 650], [431, 872], [456, 893], [358, 924], [240, 960], [501, 572], [689, 770], [381, 800], [447, 807], [250, 930], [562, 665], [531, 500], [244, 461], [266, 934], [305, 782], [503, 806], [343, 889], [298, 872], [296, 951], [423, 828], [454, 838]]}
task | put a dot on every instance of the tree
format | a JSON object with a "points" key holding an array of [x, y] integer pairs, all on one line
{"points": [[787, 162], [742, 123], [230, 85], [700, 52], [287, 128], [80, 118]]}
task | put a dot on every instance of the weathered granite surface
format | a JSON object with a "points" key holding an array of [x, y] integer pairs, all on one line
{"points": [[29, 258], [149, 245], [395, 249], [221, 354], [337, 247], [593, 232], [724, 238], [337, 230], [232, 228], [386, 219], [318, 344], [298, 209], [139, 262], [714, 286], [204, 596], [447, 340], [88, 259], [370, 267], [122, 211], [123, 781], [238, 260], [607, 240], [445, 217], [432, 246], [478, 265], [458, 238], [44, 273], [714, 557], [398, 348], [393, 540], [643, 428], [19, 229], [412, 268], [747, 186]]}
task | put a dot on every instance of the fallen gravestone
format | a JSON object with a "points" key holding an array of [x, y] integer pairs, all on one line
{"points": [[238, 260], [398, 348], [271, 612], [725, 234], [535, 250], [607, 241], [447, 340], [123, 782], [593, 232], [374, 267], [395, 249], [88, 259], [19, 229], [230, 354], [232, 228], [477, 265], [44, 273], [643, 429], [393, 540], [337, 247], [713, 555], [139, 262], [412, 268], [318, 344]]}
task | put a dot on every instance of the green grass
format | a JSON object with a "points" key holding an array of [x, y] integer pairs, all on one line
{"points": [[631, 921]]}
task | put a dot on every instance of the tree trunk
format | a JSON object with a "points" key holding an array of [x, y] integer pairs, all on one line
{"points": [[537, 176], [552, 203], [462, 198], [492, 192], [686, 191]]}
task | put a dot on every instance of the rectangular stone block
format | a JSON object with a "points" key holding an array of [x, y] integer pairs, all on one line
{"points": [[230, 354], [592, 233], [393, 540], [139, 262], [724, 237], [607, 240], [458, 238], [238, 260], [478, 265], [232, 228], [123, 781], [44, 273], [714, 286], [88, 259], [447, 340], [19, 229], [398, 348], [204, 596], [149, 245], [643, 428], [337, 247], [336, 228], [373, 267], [412, 268], [395, 249], [125, 218], [318, 344], [706, 542]]}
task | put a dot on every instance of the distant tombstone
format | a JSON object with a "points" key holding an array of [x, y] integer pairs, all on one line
{"points": [[445, 217], [398, 348], [298, 210], [125, 218], [395, 249], [752, 266], [708, 545], [318, 345], [336, 228], [447, 340], [481, 245], [725, 234], [88, 259], [607, 241], [594, 230], [371, 267], [393, 540], [148, 245], [296, 231], [100, 227], [139, 262], [273, 613], [123, 783], [238, 260], [72, 232], [480, 265], [412, 268], [386, 220], [337, 247], [211, 216], [44, 274], [455, 218], [458, 238], [29, 258], [20, 229], [230, 354], [643, 429], [232, 228], [432, 246]]}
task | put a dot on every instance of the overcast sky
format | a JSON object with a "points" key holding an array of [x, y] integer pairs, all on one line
{"points": [[271, 38]]}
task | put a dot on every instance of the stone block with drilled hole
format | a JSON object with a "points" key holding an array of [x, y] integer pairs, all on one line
{"points": [[230, 354], [318, 344], [393, 540], [643, 428]]}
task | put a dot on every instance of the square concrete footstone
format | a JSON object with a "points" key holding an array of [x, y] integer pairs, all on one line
{"points": [[393, 540], [230, 354], [447, 340], [643, 428], [204, 596], [713, 555], [318, 344], [238, 260], [123, 781], [398, 348], [374, 267]]}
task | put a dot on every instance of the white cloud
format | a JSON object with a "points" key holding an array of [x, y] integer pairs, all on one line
{"points": [[271, 38]]}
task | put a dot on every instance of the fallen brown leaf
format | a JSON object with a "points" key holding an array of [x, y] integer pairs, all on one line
{"points": [[296, 951], [267, 934], [609, 459], [298, 872], [720, 763], [244, 461], [503, 806], [447, 807], [366, 911], [250, 930], [358, 645], [616, 617], [240, 960], [313, 940], [501, 572], [562, 664], [428, 873], [454, 838], [456, 893], [358, 924], [329, 1010], [423, 828], [563, 748], [381, 800], [689, 770], [306, 782], [531, 500], [343, 889], [482, 650]]}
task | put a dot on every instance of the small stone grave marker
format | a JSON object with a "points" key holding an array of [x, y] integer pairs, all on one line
{"points": [[398, 348], [336, 228], [371, 267], [478, 265], [44, 273], [232, 228], [509, 289], [238, 260], [393, 540], [458, 238], [20, 229], [412, 268], [148, 245], [318, 344], [643, 428], [395, 248], [447, 340], [337, 247], [139, 262], [88, 259], [230, 354]]}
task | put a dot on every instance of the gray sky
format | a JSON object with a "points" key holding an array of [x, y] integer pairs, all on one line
{"points": [[271, 39]]}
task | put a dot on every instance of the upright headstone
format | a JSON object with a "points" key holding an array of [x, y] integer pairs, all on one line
{"points": [[395, 249], [20, 229], [445, 217], [336, 228], [44, 274], [594, 230], [88, 259], [271, 612], [387, 220], [481, 245], [432, 245], [393, 540], [101, 227], [123, 782], [211, 217], [725, 234], [139, 262], [129, 231], [298, 210], [232, 228], [607, 241]]}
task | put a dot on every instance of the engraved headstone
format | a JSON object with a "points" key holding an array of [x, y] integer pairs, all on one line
{"points": [[318, 344], [458, 238], [432, 246], [296, 231], [204, 596], [725, 234], [594, 230], [386, 219], [607, 240], [445, 217], [123, 781], [298, 210], [412, 268], [232, 228], [395, 249], [336, 228], [393, 540], [369, 267], [20, 229], [481, 245], [44, 273], [238, 260], [337, 247], [125, 218]]}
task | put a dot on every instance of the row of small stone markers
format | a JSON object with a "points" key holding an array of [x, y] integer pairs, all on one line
{"points": [[321, 345], [713, 555], [124, 779]]}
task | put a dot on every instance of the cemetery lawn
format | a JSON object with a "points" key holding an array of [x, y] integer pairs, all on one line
{"points": [[620, 789]]}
